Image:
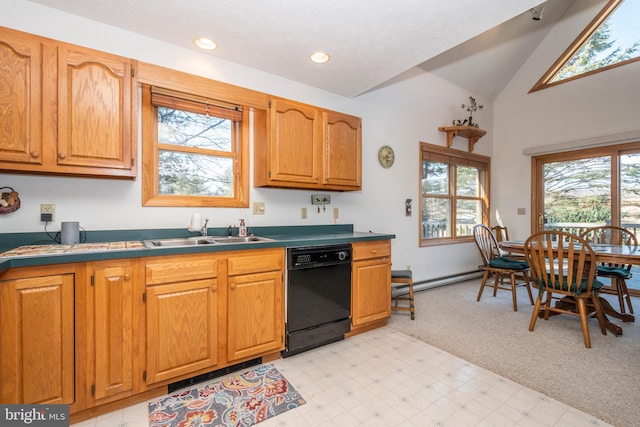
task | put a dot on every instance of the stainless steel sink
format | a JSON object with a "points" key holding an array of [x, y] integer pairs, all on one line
{"points": [[238, 239], [211, 240], [153, 243]]}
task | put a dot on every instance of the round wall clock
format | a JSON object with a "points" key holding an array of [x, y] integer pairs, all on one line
{"points": [[386, 156]]}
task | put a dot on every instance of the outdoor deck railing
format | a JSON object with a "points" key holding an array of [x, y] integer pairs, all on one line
{"points": [[431, 231], [578, 228], [434, 231]]}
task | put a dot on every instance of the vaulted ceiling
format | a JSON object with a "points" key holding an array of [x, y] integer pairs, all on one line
{"points": [[476, 44]]}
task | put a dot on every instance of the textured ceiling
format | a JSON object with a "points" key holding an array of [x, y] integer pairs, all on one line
{"points": [[370, 41], [486, 63]]}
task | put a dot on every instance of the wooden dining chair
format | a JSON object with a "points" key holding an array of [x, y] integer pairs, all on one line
{"points": [[618, 273], [502, 234], [499, 267], [564, 266]]}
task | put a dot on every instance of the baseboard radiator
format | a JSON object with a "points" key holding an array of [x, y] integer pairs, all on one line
{"points": [[439, 281]]}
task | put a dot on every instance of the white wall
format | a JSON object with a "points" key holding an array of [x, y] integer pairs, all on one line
{"points": [[401, 114], [600, 105]]}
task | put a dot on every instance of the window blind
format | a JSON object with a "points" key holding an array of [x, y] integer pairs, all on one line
{"points": [[161, 97]]}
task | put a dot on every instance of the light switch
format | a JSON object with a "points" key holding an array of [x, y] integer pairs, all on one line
{"points": [[303, 213], [258, 208], [522, 211]]}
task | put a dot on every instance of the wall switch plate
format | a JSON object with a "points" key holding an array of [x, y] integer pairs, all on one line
{"points": [[303, 213], [258, 208], [522, 211], [320, 199], [336, 213], [47, 212]]}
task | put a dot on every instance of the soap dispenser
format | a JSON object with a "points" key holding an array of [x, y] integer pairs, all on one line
{"points": [[242, 229]]}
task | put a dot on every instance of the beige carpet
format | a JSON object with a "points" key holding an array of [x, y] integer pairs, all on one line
{"points": [[603, 381]]}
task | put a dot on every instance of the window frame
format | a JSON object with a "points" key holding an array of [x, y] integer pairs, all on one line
{"points": [[545, 81], [455, 158], [151, 148]]}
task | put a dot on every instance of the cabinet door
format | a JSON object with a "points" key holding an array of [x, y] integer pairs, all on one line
{"points": [[181, 328], [113, 328], [295, 146], [342, 150], [37, 336], [20, 98], [255, 315], [95, 101], [371, 287]]}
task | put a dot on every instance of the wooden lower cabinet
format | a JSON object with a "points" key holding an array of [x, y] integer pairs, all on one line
{"points": [[37, 336], [205, 312], [116, 332], [105, 308], [255, 319], [181, 316], [371, 283]]}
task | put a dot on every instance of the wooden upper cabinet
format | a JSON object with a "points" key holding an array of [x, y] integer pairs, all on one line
{"points": [[65, 109], [95, 108], [343, 146], [295, 142], [301, 146], [20, 98]]}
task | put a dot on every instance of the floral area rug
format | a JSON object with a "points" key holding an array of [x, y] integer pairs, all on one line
{"points": [[242, 400]]}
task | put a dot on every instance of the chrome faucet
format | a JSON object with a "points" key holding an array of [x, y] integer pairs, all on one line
{"points": [[203, 230]]}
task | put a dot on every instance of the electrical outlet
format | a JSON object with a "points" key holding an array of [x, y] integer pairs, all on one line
{"points": [[47, 212], [336, 213], [320, 199], [303, 213], [258, 208]]}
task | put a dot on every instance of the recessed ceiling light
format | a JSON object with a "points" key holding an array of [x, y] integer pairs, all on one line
{"points": [[320, 57], [205, 43]]}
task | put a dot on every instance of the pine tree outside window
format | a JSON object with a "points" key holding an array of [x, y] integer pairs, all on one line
{"points": [[610, 40], [193, 149]]}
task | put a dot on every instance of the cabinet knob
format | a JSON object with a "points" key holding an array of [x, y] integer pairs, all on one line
{"points": [[374, 251], [35, 154], [232, 286], [214, 288], [126, 277], [62, 156]]}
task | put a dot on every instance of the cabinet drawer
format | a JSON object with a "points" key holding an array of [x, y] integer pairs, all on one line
{"points": [[180, 270], [375, 249], [256, 262]]}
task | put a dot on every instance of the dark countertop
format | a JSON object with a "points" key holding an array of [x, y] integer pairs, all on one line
{"points": [[283, 236]]}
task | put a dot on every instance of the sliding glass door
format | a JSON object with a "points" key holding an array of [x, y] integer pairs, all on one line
{"points": [[630, 191], [580, 189]]}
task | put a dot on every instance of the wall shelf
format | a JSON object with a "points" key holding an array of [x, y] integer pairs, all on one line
{"points": [[473, 134]]}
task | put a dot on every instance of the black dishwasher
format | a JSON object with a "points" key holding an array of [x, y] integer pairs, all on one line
{"points": [[318, 296]]}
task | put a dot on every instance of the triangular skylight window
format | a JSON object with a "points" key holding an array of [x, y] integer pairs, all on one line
{"points": [[610, 40]]}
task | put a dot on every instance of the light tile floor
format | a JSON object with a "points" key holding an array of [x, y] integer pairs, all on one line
{"points": [[386, 378]]}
